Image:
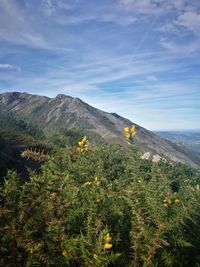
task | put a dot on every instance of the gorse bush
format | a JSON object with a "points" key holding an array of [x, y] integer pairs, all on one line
{"points": [[101, 207]]}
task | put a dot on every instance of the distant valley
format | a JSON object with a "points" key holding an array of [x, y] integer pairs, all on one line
{"points": [[190, 139]]}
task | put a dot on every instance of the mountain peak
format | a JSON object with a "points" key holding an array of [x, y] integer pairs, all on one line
{"points": [[50, 114], [9, 97], [62, 96]]}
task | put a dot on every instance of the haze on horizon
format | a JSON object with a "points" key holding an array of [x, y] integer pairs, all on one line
{"points": [[138, 58]]}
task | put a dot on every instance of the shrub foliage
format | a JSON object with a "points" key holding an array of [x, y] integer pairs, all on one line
{"points": [[101, 207]]}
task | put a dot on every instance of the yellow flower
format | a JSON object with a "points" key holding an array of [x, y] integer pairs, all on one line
{"points": [[84, 139], [177, 201], [132, 130], [107, 245], [97, 182], [64, 253], [107, 238], [169, 202], [87, 183], [165, 205], [127, 135], [129, 132], [95, 256], [126, 130], [83, 145]]}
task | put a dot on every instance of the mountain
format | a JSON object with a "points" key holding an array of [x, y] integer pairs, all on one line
{"points": [[51, 114]]}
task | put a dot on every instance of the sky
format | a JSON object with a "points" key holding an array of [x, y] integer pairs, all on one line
{"points": [[138, 58]]}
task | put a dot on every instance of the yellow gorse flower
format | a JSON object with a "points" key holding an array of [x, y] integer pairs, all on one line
{"points": [[96, 182], [34, 247], [107, 238], [107, 246], [133, 130], [126, 130], [83, 141], [198, 187], [83, 145], [168, 202], [129, 132], [95, 256], [87, 183], [64, 253]]}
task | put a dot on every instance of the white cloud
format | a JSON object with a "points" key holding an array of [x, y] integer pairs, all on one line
{"points": [[151, 78], [140, 6], [90, 77], [121, 19], [185, 29], [190, 20], [144, 6], [168, 28], [182, 49], [162, 106], [51, 6], [118, 19], [138, 3], [48, 6], [9, 67], [151, 7], [16, 26]]}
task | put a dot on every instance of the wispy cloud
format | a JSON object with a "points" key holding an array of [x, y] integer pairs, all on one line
{"points": [[139, 58], [9, 67], [50, 7], [182, 33], [15, 26], [152, 78], [190, 20], [154, 6]]}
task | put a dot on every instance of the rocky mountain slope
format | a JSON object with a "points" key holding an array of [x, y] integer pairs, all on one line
{"points": [[50, 114]]}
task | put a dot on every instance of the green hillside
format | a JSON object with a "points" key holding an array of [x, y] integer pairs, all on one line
{"points": [[15, 136]]}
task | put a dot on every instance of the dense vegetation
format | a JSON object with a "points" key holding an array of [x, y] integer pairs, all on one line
{"points": [[15, 128], [101, 206]]}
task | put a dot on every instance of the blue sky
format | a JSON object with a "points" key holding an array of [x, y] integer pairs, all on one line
{"points": [[138, 58]]}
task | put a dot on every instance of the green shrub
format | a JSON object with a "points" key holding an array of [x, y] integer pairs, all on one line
{"points": [[105, 207]]}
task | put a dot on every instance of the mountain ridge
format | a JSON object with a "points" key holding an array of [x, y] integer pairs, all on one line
{"points": [[50, 114]]}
